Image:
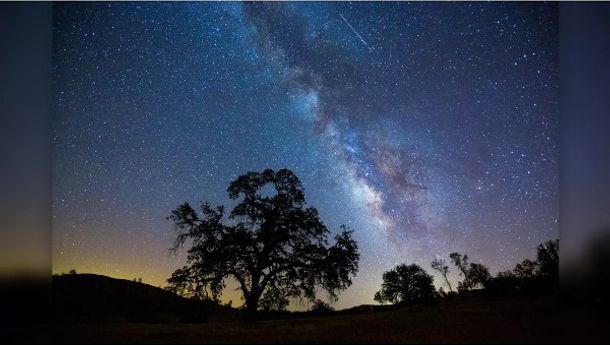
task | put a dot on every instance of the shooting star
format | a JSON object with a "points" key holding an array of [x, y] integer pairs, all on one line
{"points": [[356, 32]]}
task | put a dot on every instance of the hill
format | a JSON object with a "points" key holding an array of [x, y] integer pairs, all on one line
{"points": [[90, 297], [118, 311]]}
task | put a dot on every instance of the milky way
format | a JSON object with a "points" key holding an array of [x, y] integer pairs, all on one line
{"points": [[426, 127]]}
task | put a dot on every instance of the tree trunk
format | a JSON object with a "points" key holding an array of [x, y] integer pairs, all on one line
{"points": [[253, 298], [448, 283], [251, 309]]}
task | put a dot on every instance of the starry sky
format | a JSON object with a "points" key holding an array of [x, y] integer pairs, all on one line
{"points": [[426, 127]]}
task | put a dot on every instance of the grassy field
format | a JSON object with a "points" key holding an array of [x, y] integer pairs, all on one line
{"points": [[501, 321]]}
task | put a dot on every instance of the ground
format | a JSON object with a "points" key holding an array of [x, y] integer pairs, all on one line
{"points": [[491, 321]]}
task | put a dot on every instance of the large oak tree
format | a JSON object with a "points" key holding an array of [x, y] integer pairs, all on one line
{"points": [[271, 244]]}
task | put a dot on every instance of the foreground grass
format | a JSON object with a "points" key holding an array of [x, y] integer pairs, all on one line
{"points": [[516, 320]]}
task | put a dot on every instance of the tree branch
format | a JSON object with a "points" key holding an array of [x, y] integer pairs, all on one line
{"points": [[242, 282]]}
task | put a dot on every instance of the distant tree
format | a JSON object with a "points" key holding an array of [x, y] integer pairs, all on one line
{"points": [[73, 272], [531, 277], [479, 275], [379, 298], [407, 285], [526, 270], [475, 275], [547, 258], [440, 265], [461, 262], [505, 283], [322, 308], [506, 275], [525, 275], [273, 246]]}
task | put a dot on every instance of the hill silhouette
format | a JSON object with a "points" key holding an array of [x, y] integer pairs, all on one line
{"points": [[91, 297], [94, 308]]}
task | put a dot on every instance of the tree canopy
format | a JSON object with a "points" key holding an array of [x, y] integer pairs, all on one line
{"points": [[440, 265], [273, 246], [407, 285], [475, 275], [531, 277], [547, 259]]}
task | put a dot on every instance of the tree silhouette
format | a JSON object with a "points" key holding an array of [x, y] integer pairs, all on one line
{"points": [[475, 275], [272, 245], [440, 265], [505, 283], [479, 275], [461, 262], [531, 277], [321, 308], [378, 297], [547, 260], [407, 285], [526, 270]]}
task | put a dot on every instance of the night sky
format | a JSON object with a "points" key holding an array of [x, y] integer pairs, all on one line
{"points": [[426, 127]]}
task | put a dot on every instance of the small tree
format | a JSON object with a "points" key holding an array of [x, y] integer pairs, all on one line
{"points": [[461, 262], [531, 277], [526, 275], [273, 246], [322, 308], [526, 270], [547, 260], [504, 284], [479, 275], [406, 285], [379, 298], [440, 265], [475, 275]]}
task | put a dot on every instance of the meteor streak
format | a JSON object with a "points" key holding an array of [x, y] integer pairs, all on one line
{"points": [[356, 32]]}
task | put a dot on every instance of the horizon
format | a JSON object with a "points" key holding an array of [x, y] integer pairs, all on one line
{"points": [[228, 296]]}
